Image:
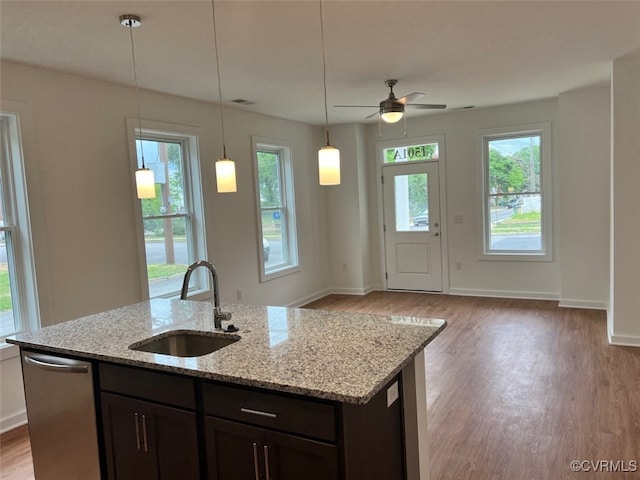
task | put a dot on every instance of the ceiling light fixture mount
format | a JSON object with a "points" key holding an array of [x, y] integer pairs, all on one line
{"points": [[145, 181], [328, 156], [391, 110]]}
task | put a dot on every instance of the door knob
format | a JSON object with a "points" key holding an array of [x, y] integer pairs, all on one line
{"points": [[436, 224]]}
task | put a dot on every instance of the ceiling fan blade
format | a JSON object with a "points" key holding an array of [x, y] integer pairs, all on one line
{"points": [[372, 115], [358, 106], [410, 98], [427, 106]]}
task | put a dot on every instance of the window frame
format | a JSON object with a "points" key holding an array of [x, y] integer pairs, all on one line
{"points": [[187, 137], [17, 225], [545, 254], [288, 203]]}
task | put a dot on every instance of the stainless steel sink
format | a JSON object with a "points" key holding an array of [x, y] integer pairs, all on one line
{"points": [[184, 343]]}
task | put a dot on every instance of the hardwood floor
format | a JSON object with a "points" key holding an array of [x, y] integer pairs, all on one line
{"points": [[516, 390], [15, 455]]}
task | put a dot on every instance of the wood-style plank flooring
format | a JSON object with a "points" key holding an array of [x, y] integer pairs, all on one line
{"points": [[15, 455], [516, 390]]}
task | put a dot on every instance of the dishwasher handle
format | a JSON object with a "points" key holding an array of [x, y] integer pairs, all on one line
{"points": [[55, 364]]}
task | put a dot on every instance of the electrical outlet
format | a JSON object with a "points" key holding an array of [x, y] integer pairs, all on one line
{"points": [[238, 295], [458, 264]]}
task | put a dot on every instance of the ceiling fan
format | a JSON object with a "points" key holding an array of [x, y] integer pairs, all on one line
{"points": [[391, 109]]}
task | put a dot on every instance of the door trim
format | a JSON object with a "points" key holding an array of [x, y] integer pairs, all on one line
{"points": [[442, 173]]}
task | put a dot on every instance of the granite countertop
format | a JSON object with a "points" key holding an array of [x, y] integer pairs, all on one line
{"points": [[341, 356]]}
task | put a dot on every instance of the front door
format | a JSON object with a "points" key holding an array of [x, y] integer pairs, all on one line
{"points": [[412, 226]]}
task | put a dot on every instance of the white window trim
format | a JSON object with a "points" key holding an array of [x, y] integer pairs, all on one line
{"points": [[193, 179], [284, 146], [544, 130], [27, 305]]}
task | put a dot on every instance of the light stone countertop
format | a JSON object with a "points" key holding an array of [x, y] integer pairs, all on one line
{"points": [[341, 356]]}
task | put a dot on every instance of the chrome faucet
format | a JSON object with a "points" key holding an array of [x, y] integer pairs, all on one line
{"points": [[218, 314]]}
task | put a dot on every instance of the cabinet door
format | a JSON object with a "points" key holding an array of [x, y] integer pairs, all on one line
{"points": [[293, 458], [234, 450], [144, 440], [242, 452], [123, 440], [173, 438]]}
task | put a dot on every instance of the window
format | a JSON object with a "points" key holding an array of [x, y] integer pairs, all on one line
{"points": [[411, 153], [18, 293], [276, 209], [516, 169], [172, 222]]}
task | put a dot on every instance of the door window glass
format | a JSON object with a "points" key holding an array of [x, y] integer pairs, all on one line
{"points": [[411, 202], [411, 153]]}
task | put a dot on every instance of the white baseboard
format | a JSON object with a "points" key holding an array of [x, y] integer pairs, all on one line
{"points": [[589, 304], [504, 294], [624, 340], [352, 291], [620, 340], [309, 298], [13, 421]]}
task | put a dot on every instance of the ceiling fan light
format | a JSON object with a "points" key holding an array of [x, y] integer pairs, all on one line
{"points": [[329, 165], [391, 117]]}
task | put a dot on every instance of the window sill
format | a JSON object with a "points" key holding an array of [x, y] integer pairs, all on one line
{"points": [[265, 277], [517, 257]]}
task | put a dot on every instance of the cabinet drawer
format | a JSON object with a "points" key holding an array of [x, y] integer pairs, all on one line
{"points": [[148, 385], [294, 415]]}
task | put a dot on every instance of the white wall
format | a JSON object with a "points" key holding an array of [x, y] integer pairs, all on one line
{"points": [[477, 277], [347, 203], [83, 220], [582, 191], [624, 310]]}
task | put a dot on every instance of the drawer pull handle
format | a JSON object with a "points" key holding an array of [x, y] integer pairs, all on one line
{"points": [[258, 412]]}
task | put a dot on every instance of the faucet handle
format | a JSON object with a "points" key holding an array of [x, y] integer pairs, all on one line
{"points": [[219, 314]]}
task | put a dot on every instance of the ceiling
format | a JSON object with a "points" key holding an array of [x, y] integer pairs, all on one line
{"points": [[474, 53]]}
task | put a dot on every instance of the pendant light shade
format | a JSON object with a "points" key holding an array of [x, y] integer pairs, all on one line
{"points": [[329, 165], [226, 176], [145, 182], [328, 156]]}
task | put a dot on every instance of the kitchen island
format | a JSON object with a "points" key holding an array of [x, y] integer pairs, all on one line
{"points": [[331, 385]]}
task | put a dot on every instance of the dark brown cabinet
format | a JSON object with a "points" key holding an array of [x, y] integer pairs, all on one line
{"points": [[238, 451], [261, 435], [158, 425], [144, 439]]}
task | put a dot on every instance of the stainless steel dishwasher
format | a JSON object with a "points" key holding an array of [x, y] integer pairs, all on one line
{"points": [[61, 415]]}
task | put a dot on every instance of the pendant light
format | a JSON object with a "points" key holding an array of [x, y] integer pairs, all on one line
{"points": [[225, 167], [328, 156], [145, 182]]}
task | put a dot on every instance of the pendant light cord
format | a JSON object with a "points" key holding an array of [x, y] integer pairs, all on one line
{"points": [[215, 45], [135, 78], [324, 76]]}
